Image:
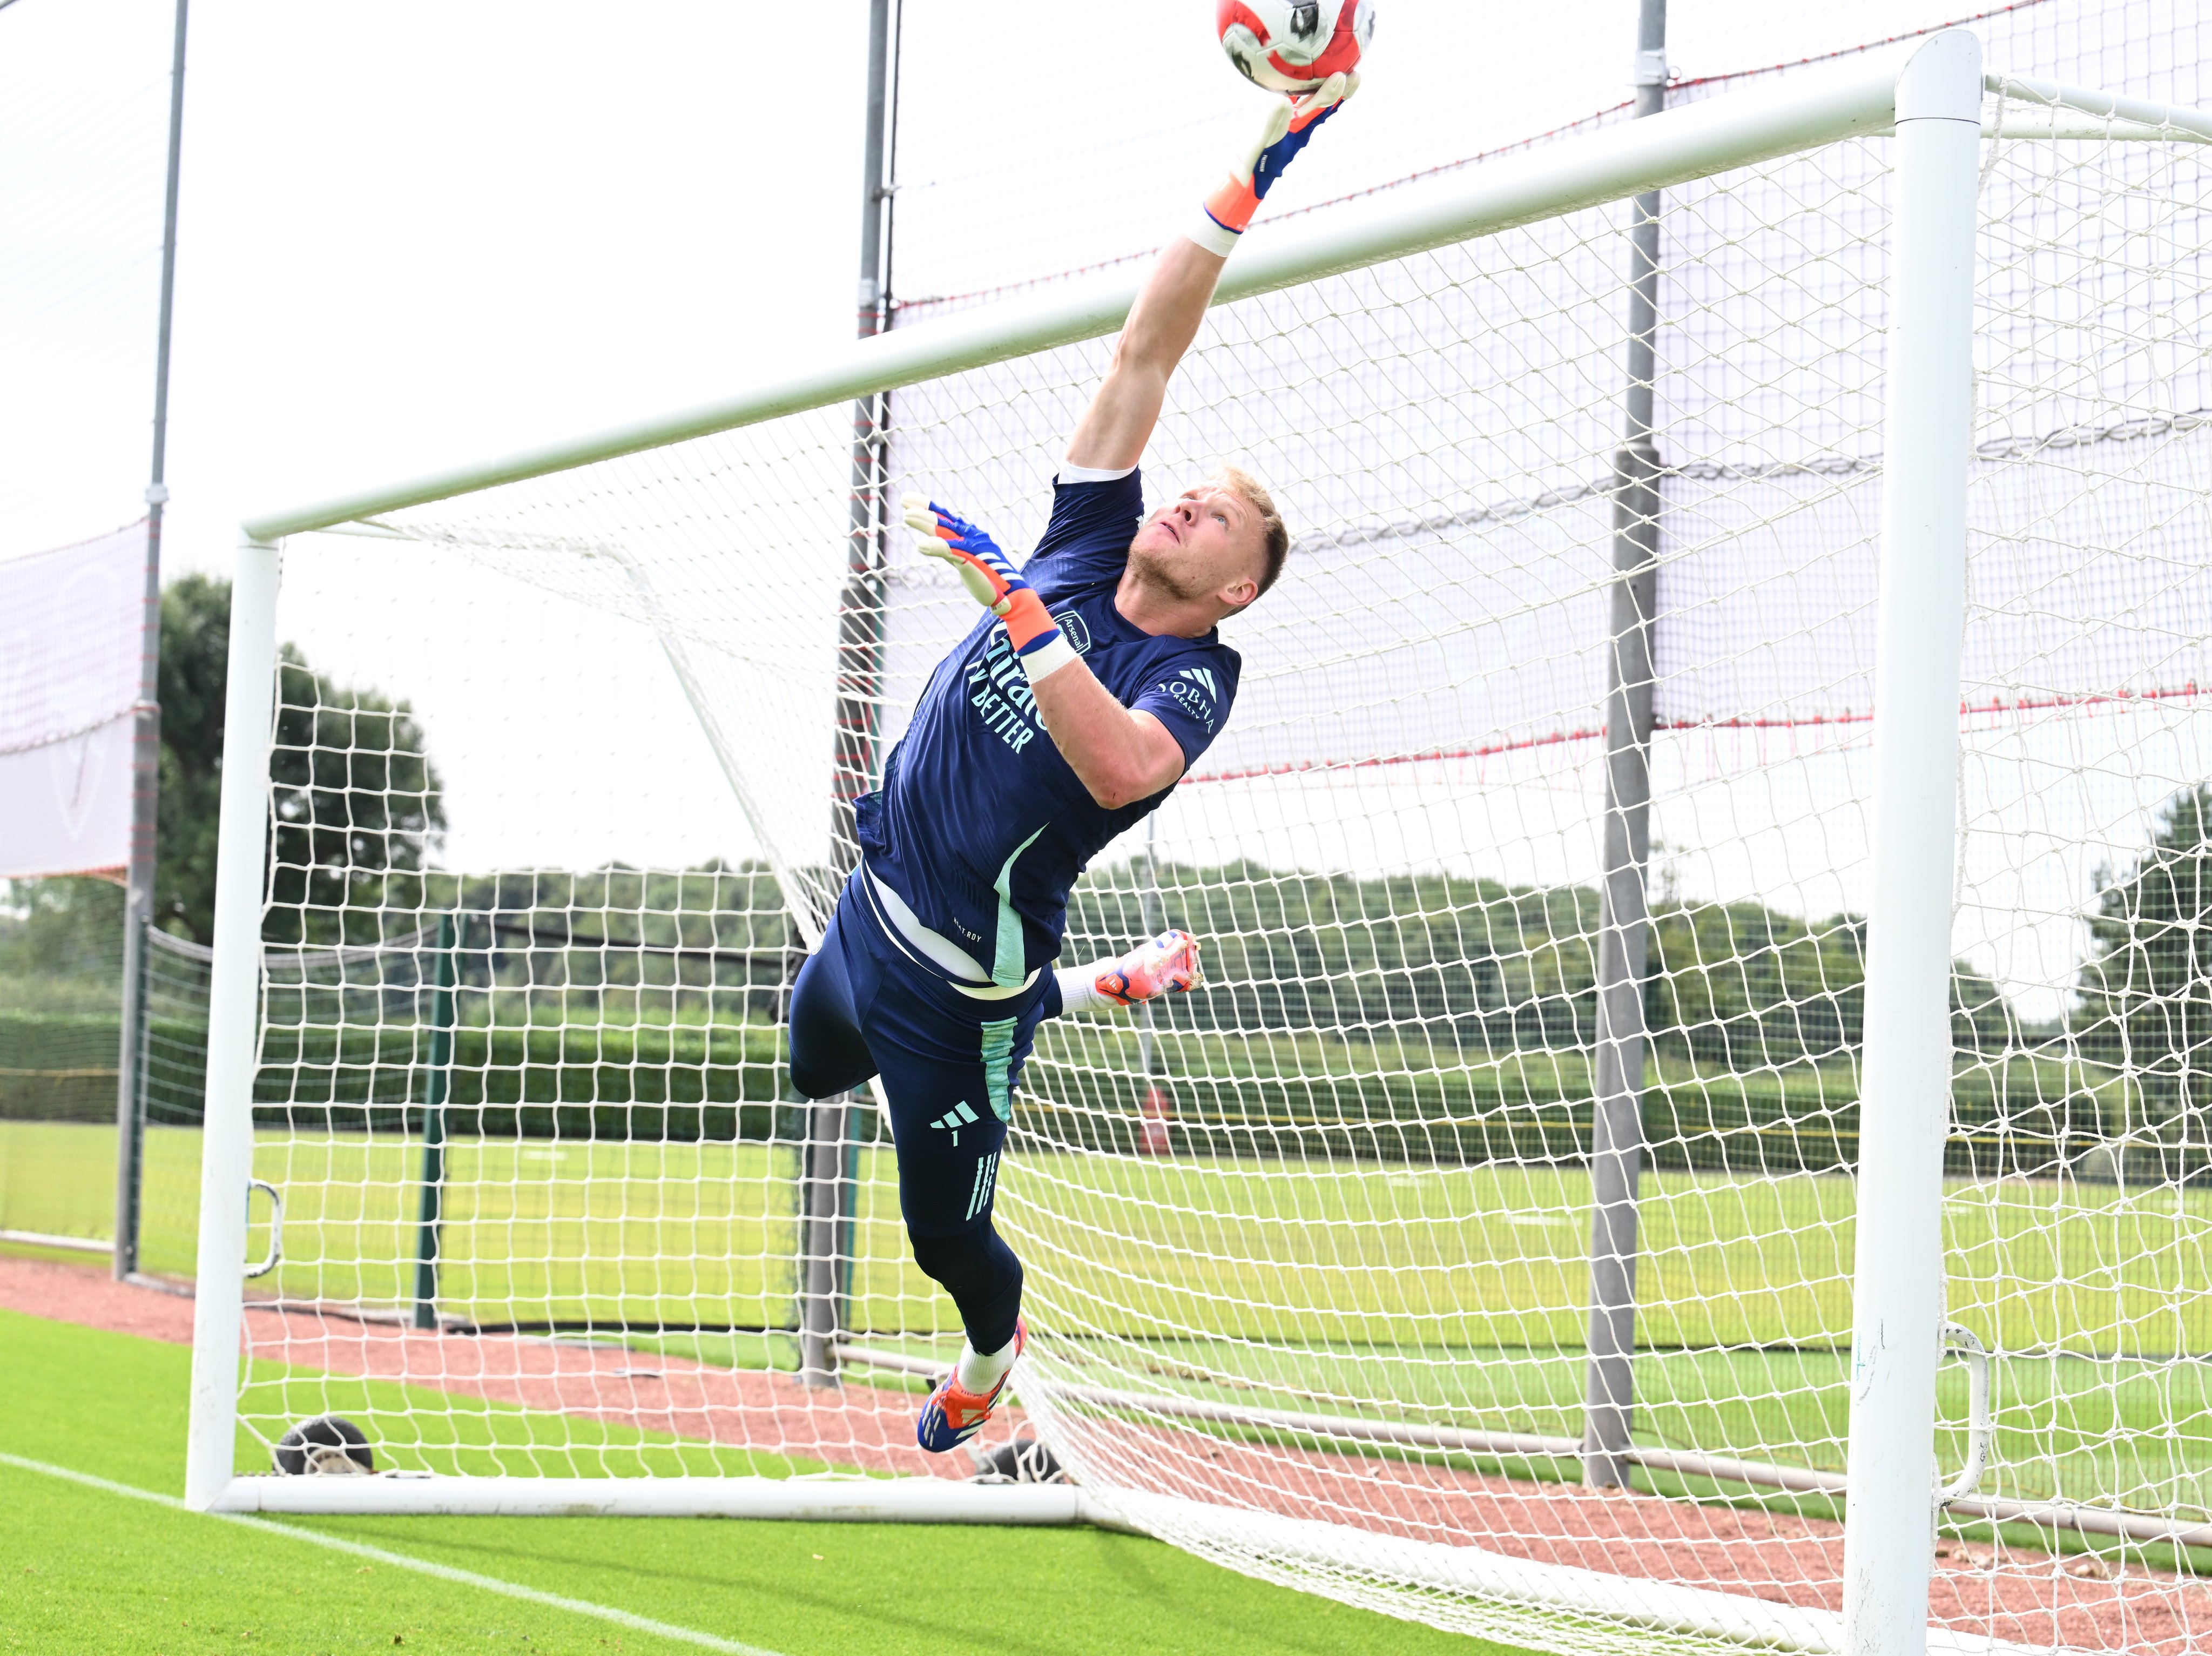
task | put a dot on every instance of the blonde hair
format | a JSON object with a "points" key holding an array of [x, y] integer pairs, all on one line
{"points": [[1274, 534]]}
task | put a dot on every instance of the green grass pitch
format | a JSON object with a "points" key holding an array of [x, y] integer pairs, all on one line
{"points": [[1272, 1277], [84, 1571]]}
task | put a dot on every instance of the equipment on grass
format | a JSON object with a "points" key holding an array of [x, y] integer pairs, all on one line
{"points": [[1018, 1460], [1650, 894], [1293, 46], [329, 1446]]}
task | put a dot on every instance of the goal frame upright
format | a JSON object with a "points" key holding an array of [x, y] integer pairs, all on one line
{"points": [[1929, 94], [1904, 1102]]}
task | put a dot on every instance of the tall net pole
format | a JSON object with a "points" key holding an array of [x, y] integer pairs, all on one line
{"points": [[827, 1182], [860, 605], [437, 1095], [1152, 1108], [1617, 1116], [146, 734]]}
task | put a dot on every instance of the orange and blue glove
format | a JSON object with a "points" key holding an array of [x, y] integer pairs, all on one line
{"points": [[991, 577], [1289, 127]]}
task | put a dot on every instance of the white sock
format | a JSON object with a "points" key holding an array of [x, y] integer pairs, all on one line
{"points": [[980, 1371], [1079, 987]]}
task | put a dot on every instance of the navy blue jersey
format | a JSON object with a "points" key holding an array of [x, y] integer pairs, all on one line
{"points": [[981, 824]]}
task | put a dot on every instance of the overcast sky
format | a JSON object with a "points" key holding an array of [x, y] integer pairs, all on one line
{"points": [[414, 233]]}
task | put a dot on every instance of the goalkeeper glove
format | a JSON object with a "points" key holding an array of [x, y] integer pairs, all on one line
{"points": [[996, 584], [1289, 124]]}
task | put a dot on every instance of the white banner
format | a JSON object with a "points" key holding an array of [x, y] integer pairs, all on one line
{"points": [[69, 641]]}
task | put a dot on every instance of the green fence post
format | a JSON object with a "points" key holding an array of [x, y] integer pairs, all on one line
{"points": [[131, 1095], [857, 1116], [440, 1088]]}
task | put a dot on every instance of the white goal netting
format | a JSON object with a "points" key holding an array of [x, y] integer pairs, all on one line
{"points": [[1308, 1251]]}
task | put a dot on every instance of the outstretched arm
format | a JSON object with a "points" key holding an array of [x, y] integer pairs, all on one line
{"points": [[1113, 432], [1114, 428]]}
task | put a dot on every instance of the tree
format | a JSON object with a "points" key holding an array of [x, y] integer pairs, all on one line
{"points": [[2147, 987], [61, 945], [195, 668], [1483, 968], [1746, 987], [359, 808]]}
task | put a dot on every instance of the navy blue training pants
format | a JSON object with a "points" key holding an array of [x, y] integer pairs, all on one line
{"points": [[864, 1006]]}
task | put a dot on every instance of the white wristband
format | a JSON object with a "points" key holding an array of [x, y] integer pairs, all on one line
{"points": [[1211, 234], [1046, 660]]}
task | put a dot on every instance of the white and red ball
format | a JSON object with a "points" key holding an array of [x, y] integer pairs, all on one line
{"points": [[1293, 46]]}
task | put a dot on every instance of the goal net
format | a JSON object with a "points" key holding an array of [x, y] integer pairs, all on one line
{"points": [[1309, 1252], [61, 970]]}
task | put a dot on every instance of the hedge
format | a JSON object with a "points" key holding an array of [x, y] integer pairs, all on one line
{"points": [[582, 1081], [1239, 1096]]}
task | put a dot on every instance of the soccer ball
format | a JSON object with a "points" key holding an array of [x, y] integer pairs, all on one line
{"points": [[1293, 46], [327, 1445]]}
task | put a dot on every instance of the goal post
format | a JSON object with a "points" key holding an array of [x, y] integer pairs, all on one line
{"points": [[1898, 1297], [1892, 615], [234, 1026]]}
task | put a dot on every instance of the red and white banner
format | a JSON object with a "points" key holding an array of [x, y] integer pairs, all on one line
{"points": [[71, 622]]}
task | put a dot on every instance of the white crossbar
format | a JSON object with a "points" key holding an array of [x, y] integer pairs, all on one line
{"points": [[1611, 165]]}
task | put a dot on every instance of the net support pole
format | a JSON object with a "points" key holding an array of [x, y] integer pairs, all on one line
{"points": [[234, 1008], [822, 1192], [860, 603], [437, 1092], [1617, 1112], [829, 1179], [146, 729], [137, 921], [1898, 1307], [1153, 1110]]}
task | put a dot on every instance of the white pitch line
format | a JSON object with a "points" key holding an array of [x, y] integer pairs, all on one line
{"points": [[401, 1561]]}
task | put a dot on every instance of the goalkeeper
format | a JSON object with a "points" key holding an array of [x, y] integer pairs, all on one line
{"points": [[1065, 716]]}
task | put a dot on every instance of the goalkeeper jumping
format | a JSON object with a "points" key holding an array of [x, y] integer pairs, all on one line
{"points": [[937, 970]]}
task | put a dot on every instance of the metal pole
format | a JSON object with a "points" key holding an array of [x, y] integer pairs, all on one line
{"points": [[830, 1180], [821, 1216], [1617, 1114], [146, 733], [1905, 1097], [131, 1084], [1148, 912], [1153, 1110], [860, 605], [437, 1091], [234, 1008], [849, 1207]]}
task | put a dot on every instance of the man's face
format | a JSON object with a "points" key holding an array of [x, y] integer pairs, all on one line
{"points": [[1204, 543]]}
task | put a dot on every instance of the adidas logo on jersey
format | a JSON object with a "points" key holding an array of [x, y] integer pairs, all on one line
{"points": [[1198, 691], [955, 1118]]}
